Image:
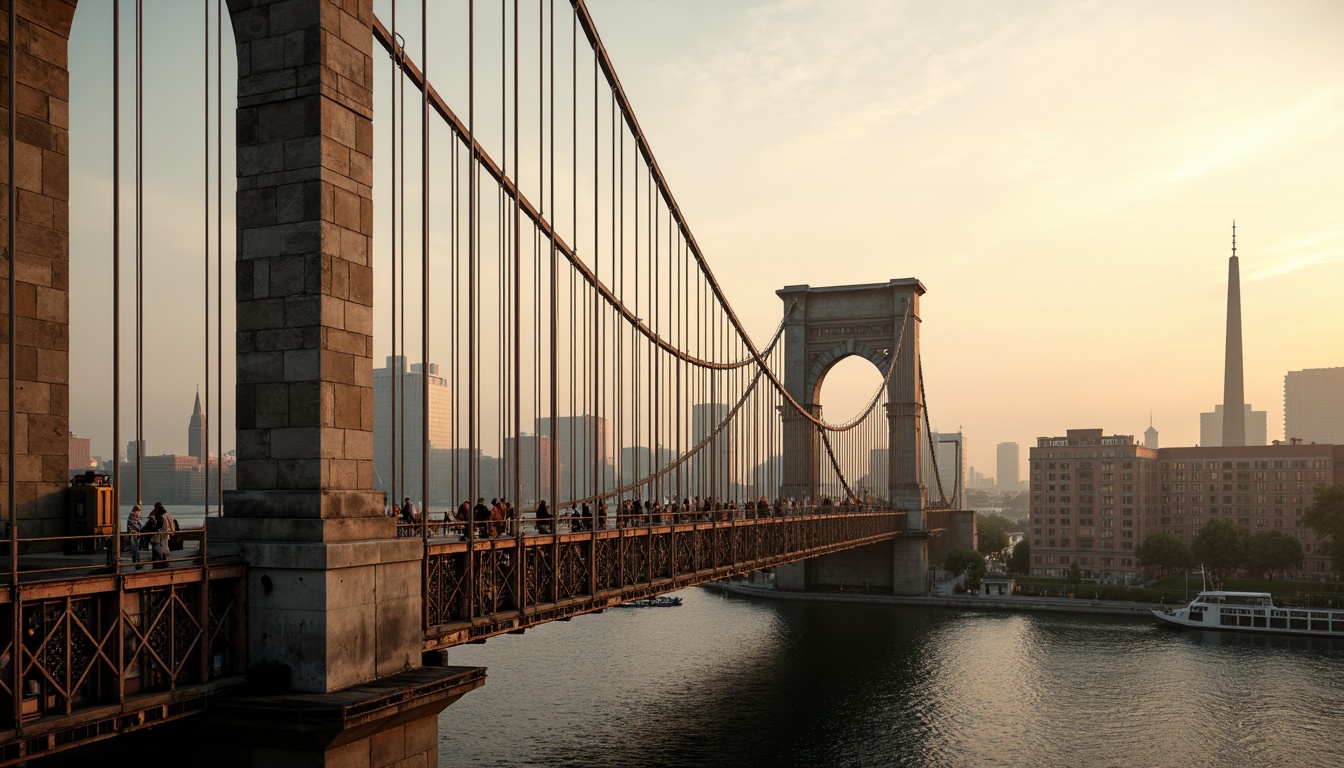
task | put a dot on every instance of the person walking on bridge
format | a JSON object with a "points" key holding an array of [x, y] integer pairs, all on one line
{"points": [[162, 525], [133, 526]]}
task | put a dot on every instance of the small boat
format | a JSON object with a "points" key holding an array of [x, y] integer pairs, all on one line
{"points": [[661, 601], [1253, 612]]}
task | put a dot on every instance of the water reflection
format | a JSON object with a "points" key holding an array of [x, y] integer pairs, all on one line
{"points": [[732, 682]]}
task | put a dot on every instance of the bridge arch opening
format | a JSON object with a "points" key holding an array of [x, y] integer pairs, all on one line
{"points": [[846, 387]]}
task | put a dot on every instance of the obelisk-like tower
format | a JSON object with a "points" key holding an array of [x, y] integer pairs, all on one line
{"points": [[1234, 397]]}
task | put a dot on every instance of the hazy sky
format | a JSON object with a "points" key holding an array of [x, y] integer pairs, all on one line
{"points": [[1062, 176]]}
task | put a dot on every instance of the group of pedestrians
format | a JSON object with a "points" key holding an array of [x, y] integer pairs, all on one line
{"points": [[500, 518], [156, 533]]}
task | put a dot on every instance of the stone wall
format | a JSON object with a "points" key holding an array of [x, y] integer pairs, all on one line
{"points": [[41, 264]]}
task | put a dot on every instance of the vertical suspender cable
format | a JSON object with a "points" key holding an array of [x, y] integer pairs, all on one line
{"points": [[139, 251], [424, 283], [13, 276], [555, 295], [219, 251], [399, 343], [472, 463], [394, 369], [205, 226], [116, 278], [517, 302]]}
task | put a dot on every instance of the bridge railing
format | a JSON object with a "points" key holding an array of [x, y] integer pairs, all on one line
{"points": [[88, 651], [490, 585]]}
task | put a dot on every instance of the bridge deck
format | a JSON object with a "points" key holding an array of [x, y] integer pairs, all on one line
{"points": [[478, 589]]}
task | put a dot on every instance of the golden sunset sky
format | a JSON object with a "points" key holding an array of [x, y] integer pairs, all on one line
{"points": [[1062, 176]]}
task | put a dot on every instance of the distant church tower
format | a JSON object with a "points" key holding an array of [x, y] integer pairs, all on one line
{"points": [[197, 444]]}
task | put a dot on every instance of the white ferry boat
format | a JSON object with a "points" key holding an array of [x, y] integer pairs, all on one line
{"points": [[1253, 612]]}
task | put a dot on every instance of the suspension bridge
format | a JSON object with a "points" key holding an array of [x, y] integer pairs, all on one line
{"points": [[501, 219]]}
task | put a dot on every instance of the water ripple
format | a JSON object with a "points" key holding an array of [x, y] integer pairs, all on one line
{"points": [[731, 682]]}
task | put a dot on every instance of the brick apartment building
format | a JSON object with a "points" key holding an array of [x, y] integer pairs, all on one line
{"points": [[1094, 497]]}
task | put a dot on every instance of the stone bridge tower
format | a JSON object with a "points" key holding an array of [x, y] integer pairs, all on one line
{"points": [[823, 326]]}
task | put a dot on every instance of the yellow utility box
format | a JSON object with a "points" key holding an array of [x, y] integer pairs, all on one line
{"points": [[92, 512]]}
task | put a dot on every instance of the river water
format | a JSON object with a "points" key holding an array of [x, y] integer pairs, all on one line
{"points": [[732, 681]]}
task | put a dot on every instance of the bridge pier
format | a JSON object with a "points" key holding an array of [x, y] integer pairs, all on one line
{"points": [[335, 603]]}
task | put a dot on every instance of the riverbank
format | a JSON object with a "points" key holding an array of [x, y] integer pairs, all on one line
{"points": [[960, 602]]}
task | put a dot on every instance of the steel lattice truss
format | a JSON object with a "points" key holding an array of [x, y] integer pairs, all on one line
{"points": [[489, 587]]}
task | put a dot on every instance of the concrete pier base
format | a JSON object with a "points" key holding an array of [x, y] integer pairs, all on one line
{"points": [[910, 569], [899, 567], [390, 722]]}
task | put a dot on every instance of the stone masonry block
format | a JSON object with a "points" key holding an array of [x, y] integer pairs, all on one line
{"points": [[302, 47], [261, 313], [261, 158], [387, 748], [257, 471], [281, 339], [335, 158], [399, 634], [305, 403], [354, 246], [342, 473], [287, 275], [338, 340], [288, 119], [338, 284], [298, 202], [340, 368], [361, 284], [358, 318], [303, 311], [302, 364], [346, 400], [422, 735], [294, 15], [359, 444], [261, 367], [297, 474], [333, 316], [267, 54], [302, 152], [251, 24], [255, 442]]}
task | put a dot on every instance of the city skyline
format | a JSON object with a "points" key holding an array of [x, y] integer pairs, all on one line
{"points": [[1055, 206]]}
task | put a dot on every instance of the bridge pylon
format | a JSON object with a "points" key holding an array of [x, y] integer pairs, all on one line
{"points": [[878, 322]]}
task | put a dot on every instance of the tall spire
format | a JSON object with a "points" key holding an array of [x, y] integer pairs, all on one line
{"points": [[1234, 396], [196, 433]]}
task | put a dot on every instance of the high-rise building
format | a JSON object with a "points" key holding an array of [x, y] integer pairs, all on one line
{"points": [[1150, 435], [535, 476], [713, 469], [1211, 427], [949, 469], [1095, 497], [79, 453], [197, 439], [1233, 422], [875, 484], [399, 473], [584, 446], [642, 461], [1009, 460], [1313, 406]]}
